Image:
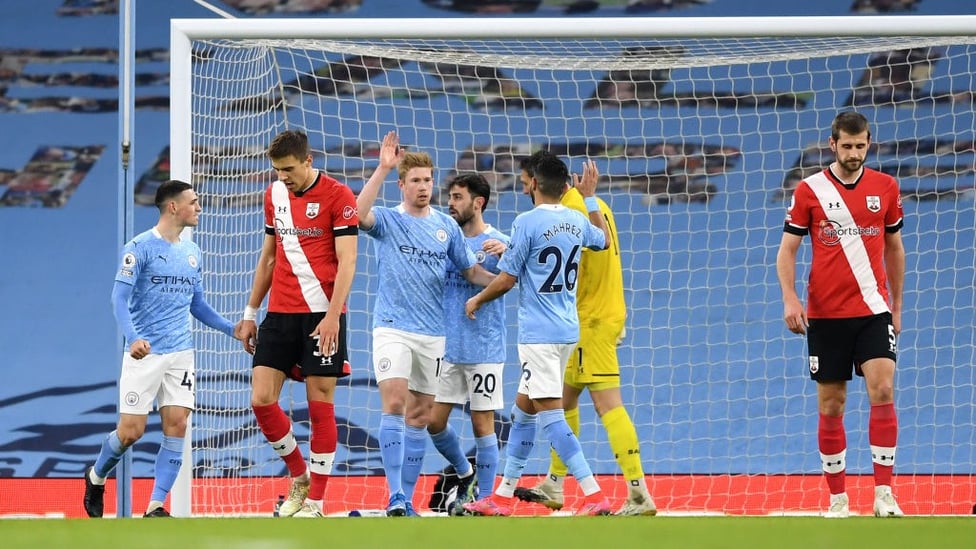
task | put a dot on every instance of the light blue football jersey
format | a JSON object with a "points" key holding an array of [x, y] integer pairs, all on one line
{"points": [[163, 276], [544, 255], [479, 341], [412, 254]]}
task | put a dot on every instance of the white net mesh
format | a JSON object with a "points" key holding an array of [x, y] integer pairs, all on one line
{"points": [[699, 143]]}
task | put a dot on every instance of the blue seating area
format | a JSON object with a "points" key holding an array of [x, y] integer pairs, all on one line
{"points": [[717, 385]]}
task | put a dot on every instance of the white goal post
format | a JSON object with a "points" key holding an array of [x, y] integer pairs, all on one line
{"points": [[701, 127]]}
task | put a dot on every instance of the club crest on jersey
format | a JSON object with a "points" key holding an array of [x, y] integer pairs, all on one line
{"points": [[480, 256], [311, 210], [192, 260], [874, 203], [441, 235]]}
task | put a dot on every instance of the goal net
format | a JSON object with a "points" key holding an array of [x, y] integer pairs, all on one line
{"points": [[701, 128]]}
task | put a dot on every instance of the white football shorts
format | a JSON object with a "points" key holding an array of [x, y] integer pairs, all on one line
{"points": [[542, 368], [405, 355], [168, 379], [481, 384]]}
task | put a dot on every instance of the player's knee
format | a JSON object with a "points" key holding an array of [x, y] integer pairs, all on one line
{"points": [[130, 434], [417, 416], [175, 427], [262, 398], [604, 401], [394, 404], [483, 423], [436, 425], [882, 393], [832, 407]]}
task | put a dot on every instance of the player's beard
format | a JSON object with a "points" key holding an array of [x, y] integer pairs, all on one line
{"points": [[462, 218], [853, 165]]}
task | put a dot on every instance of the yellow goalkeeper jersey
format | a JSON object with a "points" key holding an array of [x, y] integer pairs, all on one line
{"points": [[600, 290]]}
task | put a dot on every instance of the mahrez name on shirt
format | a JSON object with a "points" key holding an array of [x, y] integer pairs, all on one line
{"points": [[571, 228]]}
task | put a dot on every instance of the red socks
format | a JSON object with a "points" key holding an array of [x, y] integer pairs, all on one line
{"points": [[833, 452], [277, 429], [883, 437], [323, 446]]}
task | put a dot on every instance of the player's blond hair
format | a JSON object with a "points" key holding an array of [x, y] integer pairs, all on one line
{"points": [[413, 160]]}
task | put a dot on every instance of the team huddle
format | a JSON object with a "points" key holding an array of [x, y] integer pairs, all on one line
{"points": [[439, 325]]}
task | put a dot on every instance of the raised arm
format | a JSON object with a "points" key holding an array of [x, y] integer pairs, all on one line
{"points": [[586, 185], [390, 155]]}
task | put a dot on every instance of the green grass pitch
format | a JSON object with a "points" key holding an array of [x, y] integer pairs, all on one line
{"points": [[494, 532]]}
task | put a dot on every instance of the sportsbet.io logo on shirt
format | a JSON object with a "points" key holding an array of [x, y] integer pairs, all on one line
{"points": [[831, 232], [309, 232]]}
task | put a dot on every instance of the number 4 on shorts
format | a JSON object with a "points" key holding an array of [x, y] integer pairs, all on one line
{"points": [[187, 381]]}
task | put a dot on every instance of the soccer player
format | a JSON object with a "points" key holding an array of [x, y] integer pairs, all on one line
{"points": [[415, 243], [853, 215], [307, 262], [543, 258], [594, 366], [158, 286], [474, 353]]}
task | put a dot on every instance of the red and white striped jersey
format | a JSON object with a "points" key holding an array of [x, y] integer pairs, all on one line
{"points": [[847, 226], [306, 226]]}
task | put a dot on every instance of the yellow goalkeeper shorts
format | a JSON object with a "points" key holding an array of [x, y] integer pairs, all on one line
{"points": [[594, 364]]}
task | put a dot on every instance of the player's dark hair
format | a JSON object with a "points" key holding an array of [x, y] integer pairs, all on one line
{"points": [[550, 172], [849, 122], [476, 184], [169, 191], [289, 143], [526, 165]]}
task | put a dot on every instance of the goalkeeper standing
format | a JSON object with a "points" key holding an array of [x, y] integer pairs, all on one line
{"points": [[594, 365], [307, 262]]}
